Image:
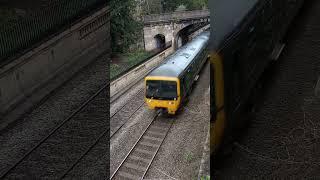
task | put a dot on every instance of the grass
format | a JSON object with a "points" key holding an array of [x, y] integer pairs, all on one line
{"points": [[205, 178], [128, 60], [189, 157], [136, 57]]}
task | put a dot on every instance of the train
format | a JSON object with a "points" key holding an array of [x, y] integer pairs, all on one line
{"points": [[168, 86], [243, 44]]}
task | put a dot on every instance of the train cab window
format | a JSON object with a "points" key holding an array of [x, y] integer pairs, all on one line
{"points": [[162, 90]]}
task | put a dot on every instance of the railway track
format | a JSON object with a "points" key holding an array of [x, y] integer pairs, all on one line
{"points": [[136, 163], [66, 144], [125, 112]]}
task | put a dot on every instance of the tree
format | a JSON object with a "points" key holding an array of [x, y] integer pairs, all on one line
{"points": [[125, 30], [151, 7], [172, 5], [197, 4], [181, 8]]}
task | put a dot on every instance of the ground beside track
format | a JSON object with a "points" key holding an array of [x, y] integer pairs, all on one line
{"points": [[283, 140]]}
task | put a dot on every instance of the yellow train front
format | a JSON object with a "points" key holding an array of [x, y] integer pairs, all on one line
{"points": [[163, 93], [167, 86]]}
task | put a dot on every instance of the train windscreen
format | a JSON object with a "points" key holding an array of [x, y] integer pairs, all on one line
{"points": [[162, 90]]}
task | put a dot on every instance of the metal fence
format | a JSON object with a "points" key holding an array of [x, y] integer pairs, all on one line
{"points": [[19, 35], [176, 16]]}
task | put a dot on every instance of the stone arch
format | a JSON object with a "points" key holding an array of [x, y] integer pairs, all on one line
{"points": [[160, 41], [181, 36], [175, 32]]}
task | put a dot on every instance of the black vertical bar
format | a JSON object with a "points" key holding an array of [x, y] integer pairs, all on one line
{"points": [[28, 23], [2, 42], [37, 25], [32, 28], [19, 35]]}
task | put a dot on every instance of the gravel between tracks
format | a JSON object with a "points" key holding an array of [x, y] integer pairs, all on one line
{"points": [[19, 137], [95, 164], [283, 139]]}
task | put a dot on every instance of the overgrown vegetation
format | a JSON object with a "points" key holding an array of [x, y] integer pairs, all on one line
{"points": [[161, 6], [125, 29], [6, 15], [171, 5], [189, 157], [128, 60], [205, 178]]}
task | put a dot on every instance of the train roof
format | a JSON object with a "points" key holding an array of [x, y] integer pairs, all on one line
{"points": [[225, 16], [178, 61]]}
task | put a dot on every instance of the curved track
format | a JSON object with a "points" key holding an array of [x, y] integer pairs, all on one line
{"points": [[66, 144], [137, 162]]}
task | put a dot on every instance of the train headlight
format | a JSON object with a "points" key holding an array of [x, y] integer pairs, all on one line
{"points": [[171, 103]]}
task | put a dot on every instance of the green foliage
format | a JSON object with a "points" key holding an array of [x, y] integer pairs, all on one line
{"points": [[160, 6], [6, 14], [205, 178], [151, 7], [172, 5], [181, 8], [189, 157], [197, 4], [125, 29], [136, 57], [128, 60]]}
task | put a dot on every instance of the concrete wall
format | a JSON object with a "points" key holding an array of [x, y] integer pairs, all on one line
{"points": [[120, 85], [84, 41]]}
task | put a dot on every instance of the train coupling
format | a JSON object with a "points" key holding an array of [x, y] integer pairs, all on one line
{"points": [[161, 111]]}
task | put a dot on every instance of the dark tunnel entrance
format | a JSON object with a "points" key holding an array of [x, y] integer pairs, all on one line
{"points": [[160, 41], [182, 38]]}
